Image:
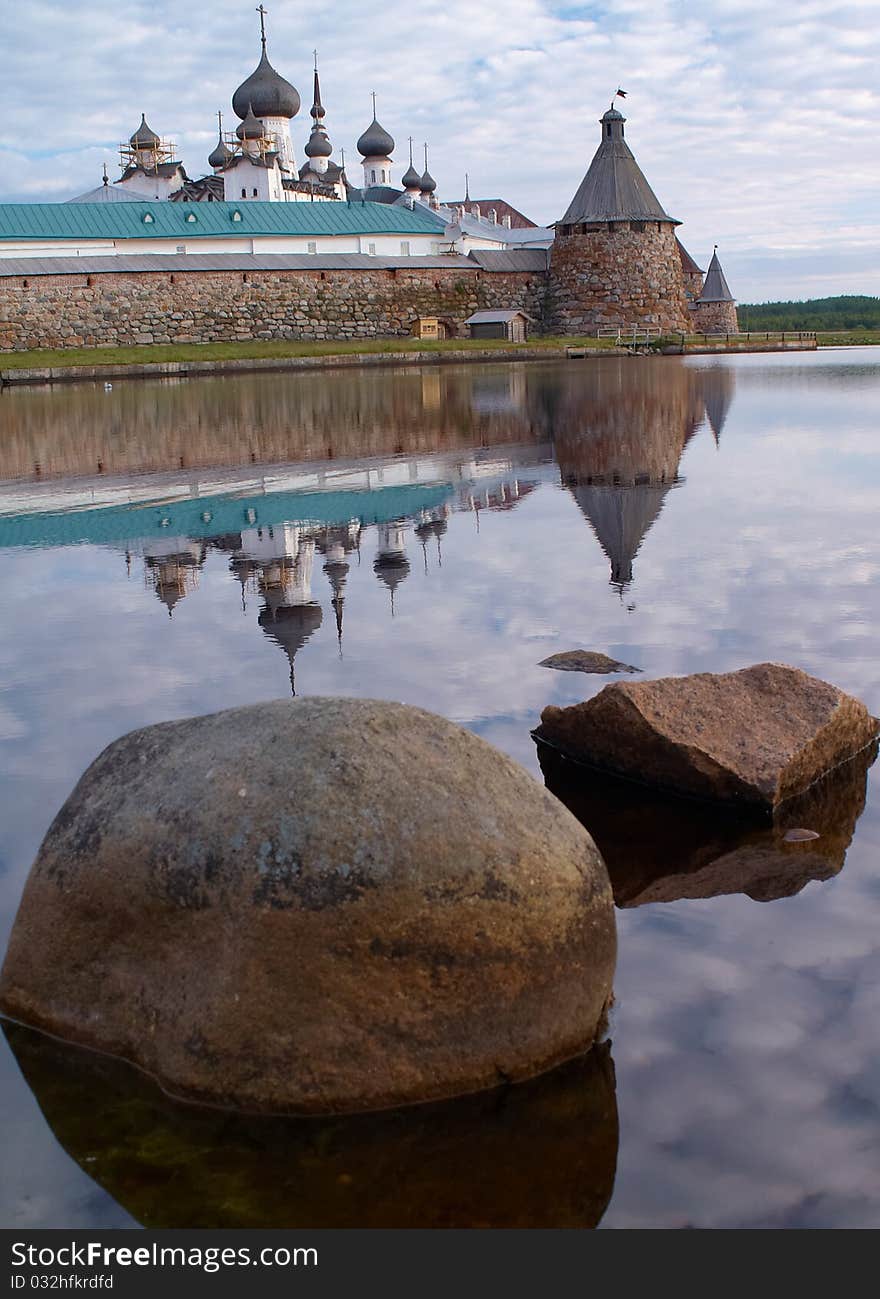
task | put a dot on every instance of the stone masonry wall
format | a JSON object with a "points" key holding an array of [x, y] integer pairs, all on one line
{"points": [[714, 318], [122, 308], [618, 275]]}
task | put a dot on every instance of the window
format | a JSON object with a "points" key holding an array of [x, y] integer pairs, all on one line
{"points": [[404, 248], [181, 248], [255, 191], [148, 218], [371, 249], [191, 216], [312, 246], [236, 216], [383, 175], [243, 192], [435, 248], [373, 177]]}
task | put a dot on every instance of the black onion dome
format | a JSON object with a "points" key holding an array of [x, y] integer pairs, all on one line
{"points": [[220, 155], [267, 92], [318, 146], [427, 183], [144, 137], [375, 142], [250, 128], [411, 178]]}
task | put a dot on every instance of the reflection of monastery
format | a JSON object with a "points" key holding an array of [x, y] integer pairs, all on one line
{"points": [[613, 434]]}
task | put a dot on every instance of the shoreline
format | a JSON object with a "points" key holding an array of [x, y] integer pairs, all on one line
{"points": [[195, 367]]}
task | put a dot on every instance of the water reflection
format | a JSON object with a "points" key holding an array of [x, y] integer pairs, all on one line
{"points": [[540, 1154], [661, 849]]}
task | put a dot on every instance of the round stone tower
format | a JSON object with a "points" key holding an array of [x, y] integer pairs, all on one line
{"points": [[615, 260], [714, 311]]}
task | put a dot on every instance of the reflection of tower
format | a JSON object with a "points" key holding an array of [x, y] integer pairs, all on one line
{"points": [[282, 560], [432, 523], [172, 567], [619, 437], [391, 564], [337, 544], [717, 385]]}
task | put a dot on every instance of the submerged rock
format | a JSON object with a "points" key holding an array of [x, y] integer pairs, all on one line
{"points": [[757, 737], [585, 661], [542, 1154], [660, 848], [313, 906]]}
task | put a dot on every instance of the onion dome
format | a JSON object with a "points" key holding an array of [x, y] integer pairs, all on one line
{"points": [[612, 115], [427, 184], [251, 128], [144, 138], [318, 146], [411, 178], [375, 142], [220, 155], [266, 91]]}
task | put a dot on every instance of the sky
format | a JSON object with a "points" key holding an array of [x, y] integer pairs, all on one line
{"points": [[756, 125]]}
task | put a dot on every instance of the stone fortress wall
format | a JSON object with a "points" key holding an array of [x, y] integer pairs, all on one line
{"points": [[125, 308]]}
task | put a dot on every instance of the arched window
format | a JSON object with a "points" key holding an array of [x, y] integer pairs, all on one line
{"points": [[243, 192], [255, 191], [373, 176]]}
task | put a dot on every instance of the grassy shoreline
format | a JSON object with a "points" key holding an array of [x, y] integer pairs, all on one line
{"points": [[273, 349], [280, 349]]}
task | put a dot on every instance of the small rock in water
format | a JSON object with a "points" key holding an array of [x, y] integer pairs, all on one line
{"points": [[585, 661], [799, 836]]}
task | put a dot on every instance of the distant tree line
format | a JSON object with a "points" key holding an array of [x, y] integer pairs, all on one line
{"points": [[848, 312]]}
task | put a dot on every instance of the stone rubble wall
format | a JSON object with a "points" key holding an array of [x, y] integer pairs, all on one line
{"points": [[714, 318], [617, 275], [126, 308]]}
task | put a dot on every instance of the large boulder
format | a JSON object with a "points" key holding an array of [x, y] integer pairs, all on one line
{"points": [[315, 906], [754, 737]]}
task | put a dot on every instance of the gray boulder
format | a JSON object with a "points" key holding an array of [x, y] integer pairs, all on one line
{"points": [[758, 736], [315, 906], [586, 661]]}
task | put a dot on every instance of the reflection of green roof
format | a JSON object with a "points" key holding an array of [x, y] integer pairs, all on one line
{"points": [[170, 220], [210, 516]]}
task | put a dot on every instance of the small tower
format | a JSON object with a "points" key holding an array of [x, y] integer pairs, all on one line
{"points": [[428, 184], [714, 311], [615, 261], [319, 150], [376, 147], [272, 99], [149, 167], [221, 155], [411, 180]]}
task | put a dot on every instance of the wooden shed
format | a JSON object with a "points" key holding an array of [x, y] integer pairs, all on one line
{"points": [[512, 325]]}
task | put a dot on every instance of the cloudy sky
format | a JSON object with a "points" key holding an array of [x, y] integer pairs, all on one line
{"points": [[757, 125]]}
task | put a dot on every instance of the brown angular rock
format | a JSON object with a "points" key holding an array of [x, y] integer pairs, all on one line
{"points": [[585, 661], [315, 906], [757, 736]]}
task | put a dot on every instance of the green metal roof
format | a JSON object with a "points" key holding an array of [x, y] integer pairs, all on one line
{"points": [[164, 220]]}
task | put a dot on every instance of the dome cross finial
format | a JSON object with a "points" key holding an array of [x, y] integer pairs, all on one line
{"points": [[262, 12]]}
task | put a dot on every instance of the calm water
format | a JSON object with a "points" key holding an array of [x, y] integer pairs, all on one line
{"points": [[430, 537]]}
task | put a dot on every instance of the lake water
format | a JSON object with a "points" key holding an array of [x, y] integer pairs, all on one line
{"points": [[168, 549]]}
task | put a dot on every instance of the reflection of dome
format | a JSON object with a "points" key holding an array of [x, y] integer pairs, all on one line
{"points": [[290, 626], [391, 569], [375, 142], [267, 92]]}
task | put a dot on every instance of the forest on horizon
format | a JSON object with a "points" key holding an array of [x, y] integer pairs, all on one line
{"points": [[850, 311]]}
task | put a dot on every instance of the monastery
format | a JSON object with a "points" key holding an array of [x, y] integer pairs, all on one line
{"points": [[264, 246]]}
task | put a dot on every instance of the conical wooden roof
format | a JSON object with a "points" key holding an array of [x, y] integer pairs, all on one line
{"points": [[614, 188]]}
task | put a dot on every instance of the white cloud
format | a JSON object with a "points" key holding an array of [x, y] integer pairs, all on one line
{"points": [[760, 134]]}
